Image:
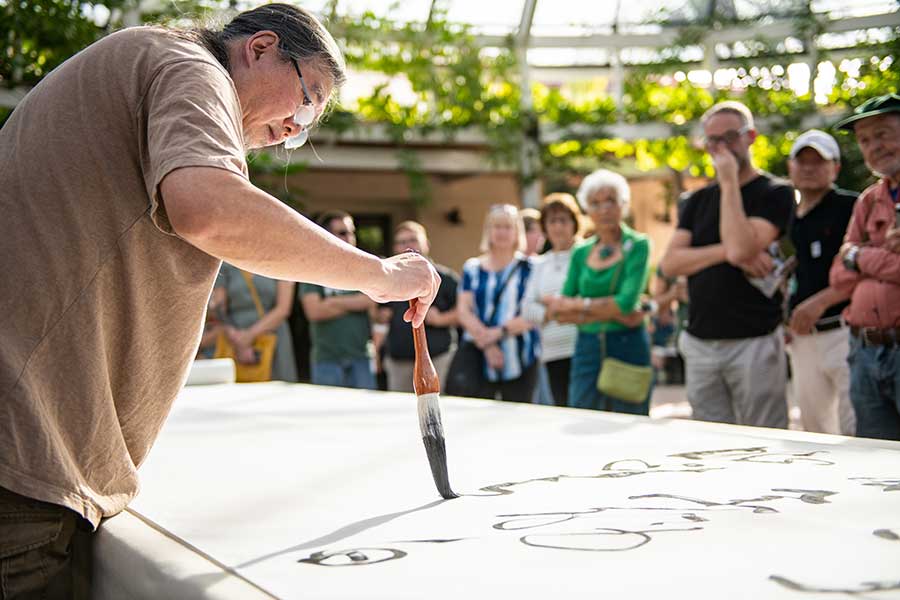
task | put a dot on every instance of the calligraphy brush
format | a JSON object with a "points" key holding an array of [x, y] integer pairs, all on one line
{"points": [[428, 388]]}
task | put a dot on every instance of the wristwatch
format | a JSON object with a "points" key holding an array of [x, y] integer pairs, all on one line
{"points": [[504, 332], [850, 258]]}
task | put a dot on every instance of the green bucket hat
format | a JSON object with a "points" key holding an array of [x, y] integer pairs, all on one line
{"points": [[874, 106]]}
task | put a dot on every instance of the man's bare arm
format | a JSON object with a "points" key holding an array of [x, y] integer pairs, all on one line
{"points": [[681, 259], [226, 216]]}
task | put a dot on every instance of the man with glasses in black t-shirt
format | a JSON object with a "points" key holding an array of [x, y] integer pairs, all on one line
{"points": [[818, 350], [733, 346]]}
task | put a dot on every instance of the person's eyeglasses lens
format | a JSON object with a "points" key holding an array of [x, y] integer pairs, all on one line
{"points": [[729, 137], [304, 116]]}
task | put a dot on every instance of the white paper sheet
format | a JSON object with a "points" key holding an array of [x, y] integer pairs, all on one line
{"points": [[311, 492]]}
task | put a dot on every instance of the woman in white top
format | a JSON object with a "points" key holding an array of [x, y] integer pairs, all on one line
{"points": [[560, 222]]}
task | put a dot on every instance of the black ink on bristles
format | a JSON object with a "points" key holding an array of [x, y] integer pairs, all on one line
{"points": [[435, 448]]}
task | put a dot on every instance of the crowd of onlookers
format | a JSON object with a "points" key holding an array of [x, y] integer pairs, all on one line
{"points": [[560, 305]]}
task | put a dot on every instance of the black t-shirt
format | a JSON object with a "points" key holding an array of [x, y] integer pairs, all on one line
{"points": [[724, 304], [817, 238], [399, 339]]}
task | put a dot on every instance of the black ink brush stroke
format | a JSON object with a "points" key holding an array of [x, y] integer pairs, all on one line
{"points": [[806, 496], [865, 587], [886, 534], [756, 454], [644, 538], [889, 484], [701, 454], [609, 471], [809, 496], [357, 556]]}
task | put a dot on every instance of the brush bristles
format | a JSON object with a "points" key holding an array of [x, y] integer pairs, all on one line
{"points": [[433, 438]]}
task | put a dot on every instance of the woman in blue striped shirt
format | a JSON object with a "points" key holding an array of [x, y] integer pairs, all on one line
{"points": [[508, 346]]}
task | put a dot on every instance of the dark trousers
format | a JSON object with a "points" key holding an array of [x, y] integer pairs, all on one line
{"points": [[520, 389], [558, 372], [45, 550], [875, 389]]}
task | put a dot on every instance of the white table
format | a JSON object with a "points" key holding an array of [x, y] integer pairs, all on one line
{"points": [[294, 491]]}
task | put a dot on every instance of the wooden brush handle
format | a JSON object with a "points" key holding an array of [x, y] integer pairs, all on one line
{"points": [[425, 377]]}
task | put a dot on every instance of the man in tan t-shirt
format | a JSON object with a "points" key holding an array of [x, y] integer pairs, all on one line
{"points": [[123, 185]]}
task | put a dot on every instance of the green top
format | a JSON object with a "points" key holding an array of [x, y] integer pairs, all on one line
{"points": [[587, 282], [345, 337]]}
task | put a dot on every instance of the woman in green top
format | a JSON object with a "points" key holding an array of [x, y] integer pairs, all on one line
{"points": [[606, 276]]}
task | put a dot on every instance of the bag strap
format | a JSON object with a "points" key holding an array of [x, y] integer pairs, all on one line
{"points": [[249, 279], [615, 280], [499, 291], [612, 290]]}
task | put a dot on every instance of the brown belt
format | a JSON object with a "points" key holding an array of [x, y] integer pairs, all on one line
{"points": [[872, 336]]}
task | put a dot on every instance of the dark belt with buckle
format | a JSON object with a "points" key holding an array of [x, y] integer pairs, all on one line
{"points": [[827, 325], [872, 336]]}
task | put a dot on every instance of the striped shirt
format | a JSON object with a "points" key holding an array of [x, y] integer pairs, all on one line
{"points": [[547, 278], [521, 351]]}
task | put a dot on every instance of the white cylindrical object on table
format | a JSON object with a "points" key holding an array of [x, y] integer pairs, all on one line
{"points": [[210, 371]]}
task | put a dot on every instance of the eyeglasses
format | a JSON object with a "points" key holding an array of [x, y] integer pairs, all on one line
{"points": [[727, 138], [304, 116]]}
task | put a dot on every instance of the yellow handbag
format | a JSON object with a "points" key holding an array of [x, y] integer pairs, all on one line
{"points": [[263, 346]]}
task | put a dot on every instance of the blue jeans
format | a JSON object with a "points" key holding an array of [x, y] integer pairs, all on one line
{"points": [[628, 345], [875, 389], [350, 372]]}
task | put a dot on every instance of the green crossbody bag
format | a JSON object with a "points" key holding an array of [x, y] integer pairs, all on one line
{"points": [[619, 379]]}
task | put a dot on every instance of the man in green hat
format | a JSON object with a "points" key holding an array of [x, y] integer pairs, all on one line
{"points": [[867, 271]]}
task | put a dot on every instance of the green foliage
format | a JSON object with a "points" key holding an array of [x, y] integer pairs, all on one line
{"points": [[453, 84], [40, 34]]}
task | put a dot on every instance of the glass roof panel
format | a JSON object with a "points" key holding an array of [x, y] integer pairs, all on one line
{"points": [[838, 9], [754, 9], [497, 17], [643, 11], [572, 17], [408, 11]]}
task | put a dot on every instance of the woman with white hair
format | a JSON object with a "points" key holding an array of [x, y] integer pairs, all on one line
{"points": [[601, 295], [499, 350]]}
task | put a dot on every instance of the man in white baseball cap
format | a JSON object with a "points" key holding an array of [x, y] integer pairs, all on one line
{"points": [[818, 350]]}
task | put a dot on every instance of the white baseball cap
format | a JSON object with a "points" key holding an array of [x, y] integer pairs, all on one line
{"points": [[818, 140]]}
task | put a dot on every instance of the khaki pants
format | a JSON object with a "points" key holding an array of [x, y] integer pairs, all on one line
{"points": [[821, 381], [400, 372], [45, 550], [737, 381]]}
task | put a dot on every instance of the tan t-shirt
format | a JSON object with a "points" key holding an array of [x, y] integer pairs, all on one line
{"points": [[101, 305]]}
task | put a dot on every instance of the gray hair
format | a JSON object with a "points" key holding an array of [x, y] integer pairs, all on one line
{"points": [[301, 36], [729, 106], [604, 180]]}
